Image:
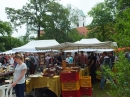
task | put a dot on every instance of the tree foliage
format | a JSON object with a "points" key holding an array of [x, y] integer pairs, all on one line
{"points": [[32, 14], [52, 17], [8, 42], [57, 24], [122, 28], [5, 28], [74, 36], [121, 85], [101, 25], [122, 21], [111, 21]]}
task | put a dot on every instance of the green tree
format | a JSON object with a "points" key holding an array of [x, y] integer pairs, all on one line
{"points": [[8, 42], [101, 25], [57, 24], [74, 36], [5, 28], [31, 14], [121, 30], [120, 86], [49, 15]]}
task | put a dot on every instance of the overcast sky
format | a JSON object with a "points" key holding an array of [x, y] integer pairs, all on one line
{"points": [[84, 5]]}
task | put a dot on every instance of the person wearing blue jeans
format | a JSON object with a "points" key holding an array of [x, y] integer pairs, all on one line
{"points": [[106, 63], [19, 76], [103, 81]]}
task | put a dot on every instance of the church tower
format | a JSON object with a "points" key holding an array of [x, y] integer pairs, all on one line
{"points": [[81, 19]]}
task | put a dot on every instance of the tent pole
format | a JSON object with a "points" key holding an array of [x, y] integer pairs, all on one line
{"points": [[78, 49]]}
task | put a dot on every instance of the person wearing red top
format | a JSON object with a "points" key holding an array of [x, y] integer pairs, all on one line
{"points": [[82, 60]]}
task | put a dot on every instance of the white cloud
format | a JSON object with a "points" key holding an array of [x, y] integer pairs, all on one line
{"points": [[84, 5]]}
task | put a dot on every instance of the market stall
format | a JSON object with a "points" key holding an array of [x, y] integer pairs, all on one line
{"points": [[72, 86]]}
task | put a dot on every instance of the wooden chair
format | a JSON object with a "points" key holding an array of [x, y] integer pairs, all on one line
{"points": [[6, 90]]}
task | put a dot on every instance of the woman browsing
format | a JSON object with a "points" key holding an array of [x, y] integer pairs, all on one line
{"points": [[19, 76]]}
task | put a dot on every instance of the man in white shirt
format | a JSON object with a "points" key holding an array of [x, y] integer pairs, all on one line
{"points": [[47, 58], [67, 59], [11, 60]]}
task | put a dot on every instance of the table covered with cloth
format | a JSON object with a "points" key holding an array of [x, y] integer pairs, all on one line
{"points": [[41, 82]]}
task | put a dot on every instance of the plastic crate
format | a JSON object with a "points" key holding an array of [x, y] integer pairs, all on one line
{"points": [[85, 91], [71, 93], [85, 81], [69, 86], [69, 76]]}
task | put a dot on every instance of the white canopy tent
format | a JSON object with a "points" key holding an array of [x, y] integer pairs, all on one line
{"points": [[86, 50], [74, 46], [95, 40], [30, 47], [91, 50], [104, 50], [88, 41], [8, 52]]}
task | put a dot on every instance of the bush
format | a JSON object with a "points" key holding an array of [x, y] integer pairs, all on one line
{"points": [[121, 88]]}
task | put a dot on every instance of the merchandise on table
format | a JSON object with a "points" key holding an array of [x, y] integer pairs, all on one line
{"points": [[52, 71]]}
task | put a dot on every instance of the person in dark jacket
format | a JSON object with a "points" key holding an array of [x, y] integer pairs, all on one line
{"points": [[59, 60], [32, 65], [92, 67]]}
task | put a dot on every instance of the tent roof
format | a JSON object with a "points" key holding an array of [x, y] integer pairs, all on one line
{"points": [[72, 46], [91, 50], [30, 46], [8, 52], [88, 41]]}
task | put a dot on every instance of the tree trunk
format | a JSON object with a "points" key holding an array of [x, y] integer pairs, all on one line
{"points": [[38, 34], [103, 33]]}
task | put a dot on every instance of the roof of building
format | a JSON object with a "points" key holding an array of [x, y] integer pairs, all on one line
{"points": [[81, 12], [41, 32], [82, 30]]}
